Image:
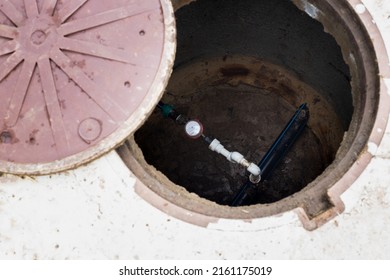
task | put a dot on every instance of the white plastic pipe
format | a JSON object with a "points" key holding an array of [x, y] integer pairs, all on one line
{"points": [[236, 157]]}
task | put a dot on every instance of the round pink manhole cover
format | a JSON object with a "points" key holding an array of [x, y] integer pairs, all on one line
{"points": [[77, 77]]}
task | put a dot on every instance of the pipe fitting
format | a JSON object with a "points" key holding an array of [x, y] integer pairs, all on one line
{"points": [[254, 169], [236, 157]]}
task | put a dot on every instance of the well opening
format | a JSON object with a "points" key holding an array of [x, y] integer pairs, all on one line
{"points": [[245, 103], [242, 68]]}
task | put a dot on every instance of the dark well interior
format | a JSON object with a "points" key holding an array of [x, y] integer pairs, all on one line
{"points": [[242, 68]]}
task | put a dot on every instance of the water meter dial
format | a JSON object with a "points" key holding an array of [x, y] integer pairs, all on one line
{"points": [[193, 129]]}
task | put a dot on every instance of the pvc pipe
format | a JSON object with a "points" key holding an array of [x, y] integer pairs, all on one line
{"points": [[236, 157]]}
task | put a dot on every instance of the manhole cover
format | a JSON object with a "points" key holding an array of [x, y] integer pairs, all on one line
{"points": [[77, 76]]}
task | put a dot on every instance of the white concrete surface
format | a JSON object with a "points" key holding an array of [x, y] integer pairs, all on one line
{"points": [[94, 213]]}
